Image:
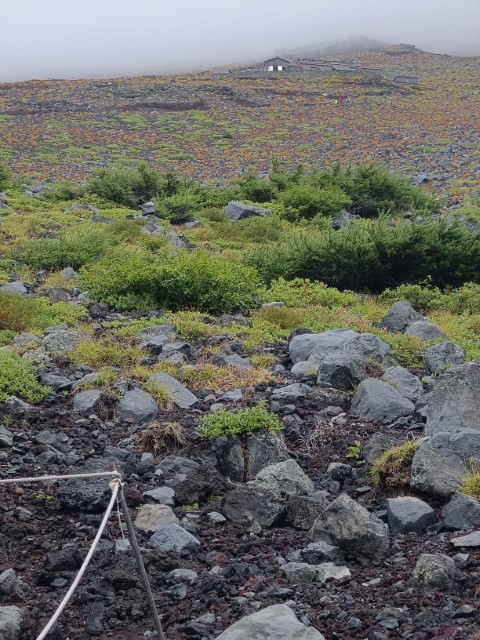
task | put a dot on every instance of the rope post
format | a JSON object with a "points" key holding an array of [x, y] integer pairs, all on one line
{"points": [[141, 566]]}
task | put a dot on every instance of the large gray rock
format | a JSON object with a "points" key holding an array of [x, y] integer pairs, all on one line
{"points": [[86, 494], [174, 538], [299, 572], [285, 477], [26, 341], [264, 449], [425, 330], [277, 622], [302, 511], [11, 586], [152, 517], [376, 400], [471, 540], [239, 211], [233, 360], [400, 315], [255, 504], [462, 512], [455, 401], [441, 462], [11, 623], [410, 515], [407, 385], [179, 394], [291, 393], [377, 444], [58, 343], [442, 356], [348, 525], [154, 344], [14, 287], [318, 345], [341, 370], [434, 570], [6, 437], [137, 405], [87, 401]]}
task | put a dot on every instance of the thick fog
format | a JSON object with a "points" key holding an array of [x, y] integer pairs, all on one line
{"points": [[100, 38]]}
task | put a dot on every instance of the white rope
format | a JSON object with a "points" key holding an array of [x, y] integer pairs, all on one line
{"points": [[115, 486], [100, 474]]}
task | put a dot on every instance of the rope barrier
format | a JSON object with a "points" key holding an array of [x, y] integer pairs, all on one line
{"points": [[117, 498], [115, 485], [100, 474]]}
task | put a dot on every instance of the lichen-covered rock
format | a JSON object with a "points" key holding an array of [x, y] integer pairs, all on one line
{"points": [[434, 570]]}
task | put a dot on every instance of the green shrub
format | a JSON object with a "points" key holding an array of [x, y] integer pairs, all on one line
{"points": [[303, 293], [18, 313], [17, 378], [373, 255], [307, 201], [177, 208], [72, 248], [245, 421], [196, 280], [470, 484], [5, 177], [256, 189], [128, 187], [374, 190], [104, 354], [392, 468]]}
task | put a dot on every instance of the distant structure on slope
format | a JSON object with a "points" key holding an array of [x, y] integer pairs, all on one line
{"points": [[411, 80], [276, 64]]}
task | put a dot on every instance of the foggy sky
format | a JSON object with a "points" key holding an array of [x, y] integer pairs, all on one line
{"points": [[100, 38]]}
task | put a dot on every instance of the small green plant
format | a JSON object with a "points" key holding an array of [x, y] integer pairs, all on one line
{"points": [[161, 395], [17, 378], [191, 507], [470, 484], [244, 421], [44, 497], [391, 470], [353, 451]]}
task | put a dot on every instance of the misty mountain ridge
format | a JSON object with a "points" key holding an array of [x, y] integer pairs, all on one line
{"points": [[352, 44]]}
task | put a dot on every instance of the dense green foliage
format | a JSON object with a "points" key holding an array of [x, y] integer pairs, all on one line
{"points": [[17, 378], [373, 255], [244, 421], [198, 280], [5, 177], [18, 313]]}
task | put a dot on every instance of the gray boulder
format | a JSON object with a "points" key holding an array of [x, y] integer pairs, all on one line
{"points": [[471, 540], [148, 209], [455, 401], [434, 570], [441, 462], [155, 343], [26, 340], [377, 444], [291, 393], [304, 368], [302, 511], [255, 504], [343, 219], [87, 401], [59, 342], [6, 437], [299, 572], [161, 495], [136, 405], [277, 622], [174, 538], [319, 552], [407, 385], [462, 512], [233, 360], [316, 346], [179, 394], [425, 330], [341, 370], [443, 355], [264, 449], [236, 211], [285, 477], [400, 315], [11, 586], [330, 571], [376, 400], [179, 348], [86, 494], [14, 287], [152, 517], [410, 515], [352, 528], [12, 621]]}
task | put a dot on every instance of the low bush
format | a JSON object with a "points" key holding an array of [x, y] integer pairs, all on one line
{"points": [[470, 484], [177, 208], [18, 313], [244, 421], [104, 354], [17, 378], [5, 177], [373, 255], [300, 292], [308, 201], [196, 280]]}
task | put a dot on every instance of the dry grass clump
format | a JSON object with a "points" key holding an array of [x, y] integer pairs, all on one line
{"points": [[392, 470], [324, 432], [470, 485], [162, 439]]}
